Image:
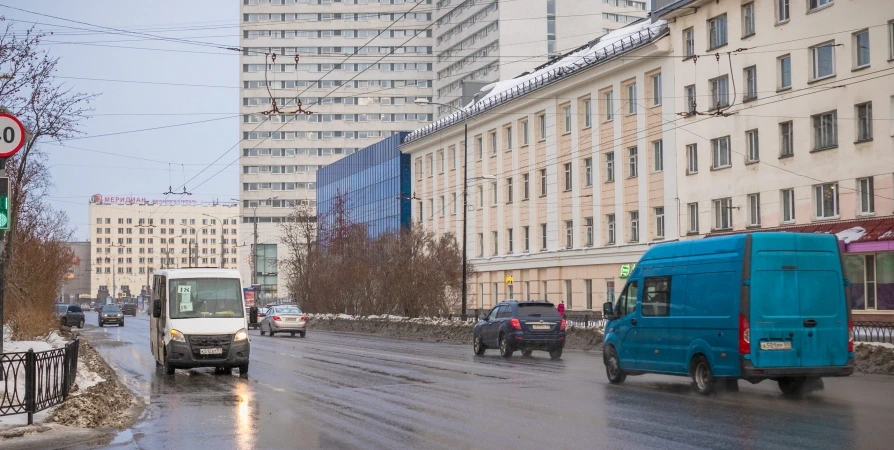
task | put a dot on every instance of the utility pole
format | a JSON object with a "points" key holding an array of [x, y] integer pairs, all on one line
{"points": [[254, 251], [2, 255]]}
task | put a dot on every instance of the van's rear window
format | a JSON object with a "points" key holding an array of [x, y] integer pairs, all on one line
{"points": [[537, 310]]}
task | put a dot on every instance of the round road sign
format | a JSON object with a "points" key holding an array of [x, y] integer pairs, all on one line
{"points": [[12, 135]]}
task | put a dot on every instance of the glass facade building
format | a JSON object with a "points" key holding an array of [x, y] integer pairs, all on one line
{"points": [[375, 183]]}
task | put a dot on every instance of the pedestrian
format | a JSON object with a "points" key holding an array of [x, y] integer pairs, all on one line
{"points": [[561, 309]]}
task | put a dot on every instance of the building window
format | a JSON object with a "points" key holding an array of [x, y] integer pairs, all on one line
{"points": [[752, 144], [634, 226], [825, 130], [588, 231], [509, 138], [550, 26], [692, 158], [588, 293], [568, 181], [785, 71], [861, 47], [782, 11], [492, 137], [419, 208], [509, 190], [864, 121], [720, 92], [480, 245], [689, 42], [543, 236], [588, 113], [867, 195], [717, 32], [610, 227], [440, 162], [541, 121], [788, 206], [566, 112], [721, 151], [525, 186], [588, 171], [430, 165], [526, 232], [452, 158], [826, 196], [569, 233], [754, 210], [493, 189], [693, 217], [748, 20], [524, 132], [786, 139], [480, 197], [723, 213], [631, 98], [479, 148], [750, 83], [822, 60], [659, 223], [632, 159], [609, 167], [609, 106], [454, 203], [658, 154], [509, 242], [431, 209], [814, 4], [441, 206], [495, 239], [656, 90], [543, 185], [691, 101], [568, 293], [869, 277]]}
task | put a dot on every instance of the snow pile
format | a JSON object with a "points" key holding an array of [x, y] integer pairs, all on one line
{"points": [[874, 358], [877, 344], [851, 234]]}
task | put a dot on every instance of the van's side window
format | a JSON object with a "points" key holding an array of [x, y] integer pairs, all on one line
{"points": [[627, 300], [656, 296]]}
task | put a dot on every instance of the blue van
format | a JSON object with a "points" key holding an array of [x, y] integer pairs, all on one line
{"points": [[752, 306]]}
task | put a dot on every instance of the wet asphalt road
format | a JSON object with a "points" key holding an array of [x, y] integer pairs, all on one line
{"points": [[354, 391]]}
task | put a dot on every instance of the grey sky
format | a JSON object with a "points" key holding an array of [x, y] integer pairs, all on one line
{"points": [[78, 174]]}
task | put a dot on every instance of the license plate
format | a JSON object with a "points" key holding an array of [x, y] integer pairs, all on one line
{"points": [[541, 327], [210, 351], [291, 319], [776, 345]]}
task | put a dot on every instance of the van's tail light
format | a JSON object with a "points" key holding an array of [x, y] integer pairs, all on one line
{"points": [[277, 319], [744, 335], [562, 325], [850, 335], [515, 324]]}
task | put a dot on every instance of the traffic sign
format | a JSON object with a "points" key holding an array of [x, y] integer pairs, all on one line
{"points": [[12, 135]]}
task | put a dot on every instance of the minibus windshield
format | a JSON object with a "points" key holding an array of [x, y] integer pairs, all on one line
{"points": [[205, 298]]}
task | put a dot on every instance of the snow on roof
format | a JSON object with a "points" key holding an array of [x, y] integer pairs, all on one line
{"points": [[612, 44], [851, 234]]}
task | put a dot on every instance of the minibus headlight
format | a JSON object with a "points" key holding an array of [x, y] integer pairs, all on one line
{"points": [[241, 335], [177, 336]]}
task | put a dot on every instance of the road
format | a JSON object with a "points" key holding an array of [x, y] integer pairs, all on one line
{"points": [[335, 390]]}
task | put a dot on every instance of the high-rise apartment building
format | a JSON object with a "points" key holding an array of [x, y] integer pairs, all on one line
{"points": [[357, 65], [481, 41]]}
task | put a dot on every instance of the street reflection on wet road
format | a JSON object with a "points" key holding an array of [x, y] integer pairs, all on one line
{"points": [[354, 391]]}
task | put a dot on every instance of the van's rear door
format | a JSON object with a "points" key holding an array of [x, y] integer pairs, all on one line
{"points": [[798, 307]]}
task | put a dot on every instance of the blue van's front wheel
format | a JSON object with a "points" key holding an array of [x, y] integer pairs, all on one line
{"points": [[613, 367]]}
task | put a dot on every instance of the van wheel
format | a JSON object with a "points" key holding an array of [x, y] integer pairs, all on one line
{"points": [[243, 370], [613, 367], [792, 385], [702, 377], [169, 369], [505, 349]]}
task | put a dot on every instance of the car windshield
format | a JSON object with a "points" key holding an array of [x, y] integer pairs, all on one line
{"points": [[206, 298], [537, 310], [111, 309], [61, 308], [287, 310]]}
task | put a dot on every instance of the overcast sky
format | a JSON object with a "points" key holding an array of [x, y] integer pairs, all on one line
{"points": [[126, 106]]}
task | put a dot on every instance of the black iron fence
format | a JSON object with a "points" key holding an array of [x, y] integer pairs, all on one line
{"points": [[874, 332], [34, 381]]}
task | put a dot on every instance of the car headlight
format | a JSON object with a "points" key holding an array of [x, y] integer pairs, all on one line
{"points": [[177, 336], [241, 335]]}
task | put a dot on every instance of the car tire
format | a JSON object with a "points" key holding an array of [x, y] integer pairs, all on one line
{"points": [[169, 370], [292, 333], [302, 334], [527, 352], [263, 332], [702, 377], [81, 324], [100, 324], [243, 370], [505, 349], [792, 385], [555, 354], [121, 324], [477, 345], [271, 332], [613, 366]]}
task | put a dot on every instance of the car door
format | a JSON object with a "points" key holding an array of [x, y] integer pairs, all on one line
{"points": [[626, 326], [503, 316], [488, 332]]}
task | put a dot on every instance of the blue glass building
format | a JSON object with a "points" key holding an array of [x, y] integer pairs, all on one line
{"points": [[375, 183]]}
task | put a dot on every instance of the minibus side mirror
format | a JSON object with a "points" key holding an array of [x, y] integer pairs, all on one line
{"points": [[156, 308], [607, 311]]}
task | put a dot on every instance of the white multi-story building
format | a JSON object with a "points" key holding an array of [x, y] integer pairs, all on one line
{"points": [[481, 41], [358, 65], [131, 237]]}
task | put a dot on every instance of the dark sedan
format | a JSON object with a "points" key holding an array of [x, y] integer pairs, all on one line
{"points": [[526, 326], [70, 315], [129, 309]]}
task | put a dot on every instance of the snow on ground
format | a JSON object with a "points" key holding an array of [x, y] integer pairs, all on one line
{"points": [[877, 344]]}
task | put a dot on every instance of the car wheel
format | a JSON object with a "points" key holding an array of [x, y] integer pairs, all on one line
{"points": [[243, 370], [292, 333], [263, 332], [702, 376], [271, 332], [81, 324], [527, 352], [505, 349], [478, 346], [613, 366], [121, 324], [100, 324], [302, 333], [792, 385], [555, 354]]}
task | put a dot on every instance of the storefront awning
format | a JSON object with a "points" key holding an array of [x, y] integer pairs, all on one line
{"points": [[860, 235]]}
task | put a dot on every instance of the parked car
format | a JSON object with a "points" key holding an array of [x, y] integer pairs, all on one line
{"points": [[70, 315], [279, 319], [521, 325], [85, 307], [761, 306], [129, 309], [111, 314]]}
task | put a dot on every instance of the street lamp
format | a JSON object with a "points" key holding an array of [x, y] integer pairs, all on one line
{"points": [[222, 223], [466, 117]]}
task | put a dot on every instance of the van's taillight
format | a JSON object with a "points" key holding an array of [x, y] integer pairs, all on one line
{"points": [[850, 335], [744, 335], [515, 324], [277, 319], [562, 325]]}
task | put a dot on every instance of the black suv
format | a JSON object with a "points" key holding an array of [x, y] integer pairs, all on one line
{"points": [[521, 325]]}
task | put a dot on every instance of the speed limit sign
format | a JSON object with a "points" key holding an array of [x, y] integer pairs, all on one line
{"points": [[12, 135]]}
